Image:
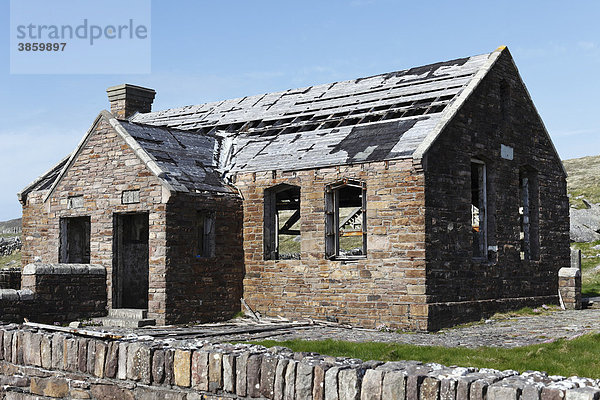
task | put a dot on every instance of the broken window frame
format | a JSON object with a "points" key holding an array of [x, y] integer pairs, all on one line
{"points": [[271, 230], [65, 230], [332, 219], [205, 234], [479, 228], [528, 214]]}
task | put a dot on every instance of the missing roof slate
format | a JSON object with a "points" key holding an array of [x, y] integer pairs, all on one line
{"points": [[373, 142]]}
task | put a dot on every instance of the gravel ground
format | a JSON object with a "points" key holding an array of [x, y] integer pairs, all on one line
{"points": [[514, 332]]}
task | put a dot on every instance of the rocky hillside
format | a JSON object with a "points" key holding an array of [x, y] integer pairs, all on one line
{"points": [[11, 226], [583, 185]]}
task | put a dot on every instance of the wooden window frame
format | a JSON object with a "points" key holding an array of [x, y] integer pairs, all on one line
{"points": [[332, 219]]}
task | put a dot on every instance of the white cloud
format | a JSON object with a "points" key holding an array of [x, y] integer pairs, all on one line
{"points": [[586, 45]]}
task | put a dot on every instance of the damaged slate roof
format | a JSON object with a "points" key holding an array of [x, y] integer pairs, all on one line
{"points": [[381, 117], [186, 159]]}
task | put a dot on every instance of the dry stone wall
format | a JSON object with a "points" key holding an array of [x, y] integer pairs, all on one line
{"points": [[58, 365], [10, 278], [56, 293]]}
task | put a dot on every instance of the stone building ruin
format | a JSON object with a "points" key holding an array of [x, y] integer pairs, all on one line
{"points": [[415, 200]]}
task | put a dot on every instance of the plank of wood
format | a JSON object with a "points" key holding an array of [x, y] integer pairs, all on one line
{"points": [[75, 331]]}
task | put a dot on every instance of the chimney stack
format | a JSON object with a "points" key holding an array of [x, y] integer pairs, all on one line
{"points": [[125, 100]]}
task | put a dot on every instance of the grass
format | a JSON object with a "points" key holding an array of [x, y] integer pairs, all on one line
{"points": [[4, 260], [583, 180], [590, 280], [562, 357], [16, 256]]}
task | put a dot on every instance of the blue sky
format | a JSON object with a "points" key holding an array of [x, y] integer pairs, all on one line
{"points": [[207, 50]]}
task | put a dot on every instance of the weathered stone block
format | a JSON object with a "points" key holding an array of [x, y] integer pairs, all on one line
{"points": [[331, 383], [71, 355], [372, 385], [51, 387], [215, 371], [102, 391], [430, 389], [91, 356], [58, 341], [267, 376], [169, 366], [122, 365], [448, 389], [101, 348], [413, 386], [304, 381], [182, 367], [349, 384], [393, 385], [318, 392], [7, 345], [138, 362], [46, 351], [279, 384], [229, 373], [290, 380], [112, 360], [241, 363], [253, 375], [82, 355], [503, 392], [200, 370], [158, 366], [552, 393], [583, 393]]}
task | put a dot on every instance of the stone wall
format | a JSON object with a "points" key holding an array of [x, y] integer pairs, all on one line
{"points": [[56, 293], [9, 245], [10, 278], [387, 288], [203, 288], [459, 288], [40, 363], [105, 167], [569, 285]]}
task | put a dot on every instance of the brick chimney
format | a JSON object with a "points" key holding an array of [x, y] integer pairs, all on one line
{"points": [[125, 100]]}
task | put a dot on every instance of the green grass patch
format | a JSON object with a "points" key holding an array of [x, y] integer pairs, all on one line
{"points": [[583, 179], [590, 279], [16, 256], [562, 357], [7, 235]]}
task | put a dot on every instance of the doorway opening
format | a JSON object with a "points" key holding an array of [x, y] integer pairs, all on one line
{"points": [[130, 260]]}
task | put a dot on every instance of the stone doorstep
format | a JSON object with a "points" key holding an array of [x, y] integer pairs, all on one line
{"points": [[126, 318], [129, 313], [125, 322]]}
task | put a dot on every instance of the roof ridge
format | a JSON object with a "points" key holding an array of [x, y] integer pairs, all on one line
{"points": [[308, 88]]}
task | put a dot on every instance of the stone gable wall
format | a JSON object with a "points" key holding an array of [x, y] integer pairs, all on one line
{"points": [[385, 289], [105, 167], [459, 288]]}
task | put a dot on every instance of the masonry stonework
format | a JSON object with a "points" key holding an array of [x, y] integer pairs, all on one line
{"points": [[408, 139], [387, 288], [460, 288]]}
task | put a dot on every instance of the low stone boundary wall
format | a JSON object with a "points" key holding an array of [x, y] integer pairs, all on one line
{"points": [[56, 293], [60, 365], [10, 278], [569, 286]]}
